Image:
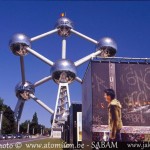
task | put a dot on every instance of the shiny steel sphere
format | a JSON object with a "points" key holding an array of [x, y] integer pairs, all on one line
{"points": [[64, 25], [108, 47], [17, 44], [23, 90], [63, 71]]}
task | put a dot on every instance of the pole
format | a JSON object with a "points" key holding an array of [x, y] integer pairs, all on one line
{"points": [[36, 54], [64, 48], [18, 126], [41, 130], [41, 103], [22, 69], [84, 36], [28, 127], [79, 79], [1, 119], [43, 35], [42, 81], [86, 58], [33, 131]]}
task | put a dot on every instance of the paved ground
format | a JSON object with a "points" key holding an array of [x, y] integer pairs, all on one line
{"points": [[24, 140]]}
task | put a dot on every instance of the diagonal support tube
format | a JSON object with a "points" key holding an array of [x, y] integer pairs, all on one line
{"points": [[84, 36], [18, 109], [41, 103], [86, 58], [22, 69], [42, 81], [43, 35], [36, 54], [79, 80]]}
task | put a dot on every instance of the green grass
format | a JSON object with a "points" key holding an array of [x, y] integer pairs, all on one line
{"points": [[44, 144]]}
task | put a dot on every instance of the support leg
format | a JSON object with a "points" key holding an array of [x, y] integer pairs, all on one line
{"points": [[18, 112], [61, 107]]}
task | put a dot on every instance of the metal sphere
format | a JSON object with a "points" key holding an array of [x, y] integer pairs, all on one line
{"points": [[23, 90], [64, 25], [17, 44], [63, 71], [108, 47]]}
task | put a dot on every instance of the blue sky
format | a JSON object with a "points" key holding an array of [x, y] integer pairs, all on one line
{"points": [[126, 22]]}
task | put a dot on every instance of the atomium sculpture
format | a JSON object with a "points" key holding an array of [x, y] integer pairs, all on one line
{"points": [[63, 71]]}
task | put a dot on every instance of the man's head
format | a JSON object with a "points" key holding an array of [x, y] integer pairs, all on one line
{"points": [[109, 95]]}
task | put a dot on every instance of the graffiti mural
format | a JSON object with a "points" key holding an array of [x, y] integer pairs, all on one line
{"points": [[133, 86], [100, 82]]}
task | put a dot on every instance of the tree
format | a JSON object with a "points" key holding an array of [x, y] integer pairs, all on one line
{"points": [[1, 103], [8, 122], [24, 126], [35, 119], [34, 124]]}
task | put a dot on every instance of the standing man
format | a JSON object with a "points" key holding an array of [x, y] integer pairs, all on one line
{"points": [[114, 115]]}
